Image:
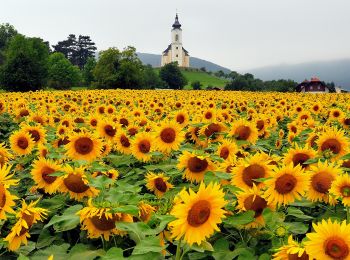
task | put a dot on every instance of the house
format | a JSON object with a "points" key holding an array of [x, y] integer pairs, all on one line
{"points": [[315, 85]]}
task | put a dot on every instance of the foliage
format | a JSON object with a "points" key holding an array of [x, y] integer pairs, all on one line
{"points": [[7, 32], [171, 74], [88, 71], [196, 85], [119, 69], [78, 51], [26, 65], [62, 73], [151, 79]]}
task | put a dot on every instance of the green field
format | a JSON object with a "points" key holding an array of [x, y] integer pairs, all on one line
{"points": [[203, 77]]}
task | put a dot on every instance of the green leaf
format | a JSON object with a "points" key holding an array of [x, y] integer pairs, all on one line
{"points": [[297, 227], [67, 221], [148, 244], [140, 229], [45, 239], [312, 160], [128, 209], [113, 254], [297, 213], [81, 251], [346, 157], [59, 252], [240, 219], [264, 257]]}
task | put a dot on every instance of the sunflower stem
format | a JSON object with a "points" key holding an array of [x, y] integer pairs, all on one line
{"points": [[103, 243], [178, 251], [347, 214]]}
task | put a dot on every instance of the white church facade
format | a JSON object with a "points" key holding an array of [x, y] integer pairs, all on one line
{"points": [[175, 51]]}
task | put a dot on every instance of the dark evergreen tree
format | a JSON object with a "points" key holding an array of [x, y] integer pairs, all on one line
{"points": [[171, 74]]}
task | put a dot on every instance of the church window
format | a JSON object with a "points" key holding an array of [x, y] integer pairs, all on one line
{"points": [[177, 56], [176, 37], [177, 48]]}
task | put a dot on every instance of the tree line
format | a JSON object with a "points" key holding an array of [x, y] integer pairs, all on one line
{"points": [[30, 64]]}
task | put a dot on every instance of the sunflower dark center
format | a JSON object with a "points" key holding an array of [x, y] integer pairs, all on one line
{"points": [[208, 115], [336, 248], [180, 119], [197, 165], [199, 213], [84, 145], [24, 112], [331, 144], [160, 184], [124, 141], [304, 256], [257, 204], [75, 183], [252, 172], [29, 220], [102, 223], [346, 164], [224, 153], [124, 122], [347, 121], [345, 191], [132, 131], [22, 143], [285, 183], [242, 132], [313, 141], [63, 141], [45, 174], [35, 135], [260, 124], [93, 122], [300, 158], [336, 114], [322, 182], [168, 135], [109, 130], [144, 146], [2, 196]]}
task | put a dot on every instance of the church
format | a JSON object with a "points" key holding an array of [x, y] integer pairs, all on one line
{"points": [[175, 51]]}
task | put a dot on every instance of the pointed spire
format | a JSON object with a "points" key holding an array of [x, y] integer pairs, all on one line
{"points": [[176, 24]]}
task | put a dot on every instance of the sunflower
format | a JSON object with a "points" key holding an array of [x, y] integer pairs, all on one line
{"points": [[111, 174], [168, 137], [142, 146], [27, 216], [37, 133], [244, 130], [341, 189], [198, 214], [322, 176], [227, 150], [299, 155], [334, 141], [158, 183], [123, 142], [181, 118], [293, 250], [100, 221], [249, 169], [286, 185], [41, 171], [6, 198], [252, 199], [75, 183], [330, 240], [195, 166], [21, 143], [145, 211], [5, 155], [107, 130], [84, 146]]}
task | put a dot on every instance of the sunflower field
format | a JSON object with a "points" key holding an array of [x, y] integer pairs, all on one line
{"points": [[157, 174]]}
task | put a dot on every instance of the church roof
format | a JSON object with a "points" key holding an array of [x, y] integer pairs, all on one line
{"points": [[167, 49], [176, 24]]}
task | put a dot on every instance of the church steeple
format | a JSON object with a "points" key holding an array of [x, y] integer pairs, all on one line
{"points": [[176, 24]]}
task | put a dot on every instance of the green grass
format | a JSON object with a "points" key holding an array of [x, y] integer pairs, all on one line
{"points": [[204, 78]]}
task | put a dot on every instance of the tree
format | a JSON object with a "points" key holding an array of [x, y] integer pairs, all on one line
{"points": [[116, 69], [78, 51], [62, 73], [26, 64], [171, 74], [151, 79], [7, 32], [88, 71], [196, 85]]}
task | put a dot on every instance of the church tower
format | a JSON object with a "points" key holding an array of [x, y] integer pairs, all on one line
{"points": [[175, 51]]}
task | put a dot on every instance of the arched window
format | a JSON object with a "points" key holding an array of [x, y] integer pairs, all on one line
{"points": [[176, 37]]}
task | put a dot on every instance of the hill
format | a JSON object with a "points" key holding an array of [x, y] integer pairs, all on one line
{"points": [[154, 61], [203, 77], [336, 71]]}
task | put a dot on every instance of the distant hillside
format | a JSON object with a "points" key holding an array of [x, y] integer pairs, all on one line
{"points": [[154, 60], [204, 78], [337, 71]]}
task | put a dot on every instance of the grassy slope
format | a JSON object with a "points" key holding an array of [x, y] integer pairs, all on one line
{"points": [[204, 78]]}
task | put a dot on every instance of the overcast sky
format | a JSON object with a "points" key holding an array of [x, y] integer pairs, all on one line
{"points": [[238, 34]]}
